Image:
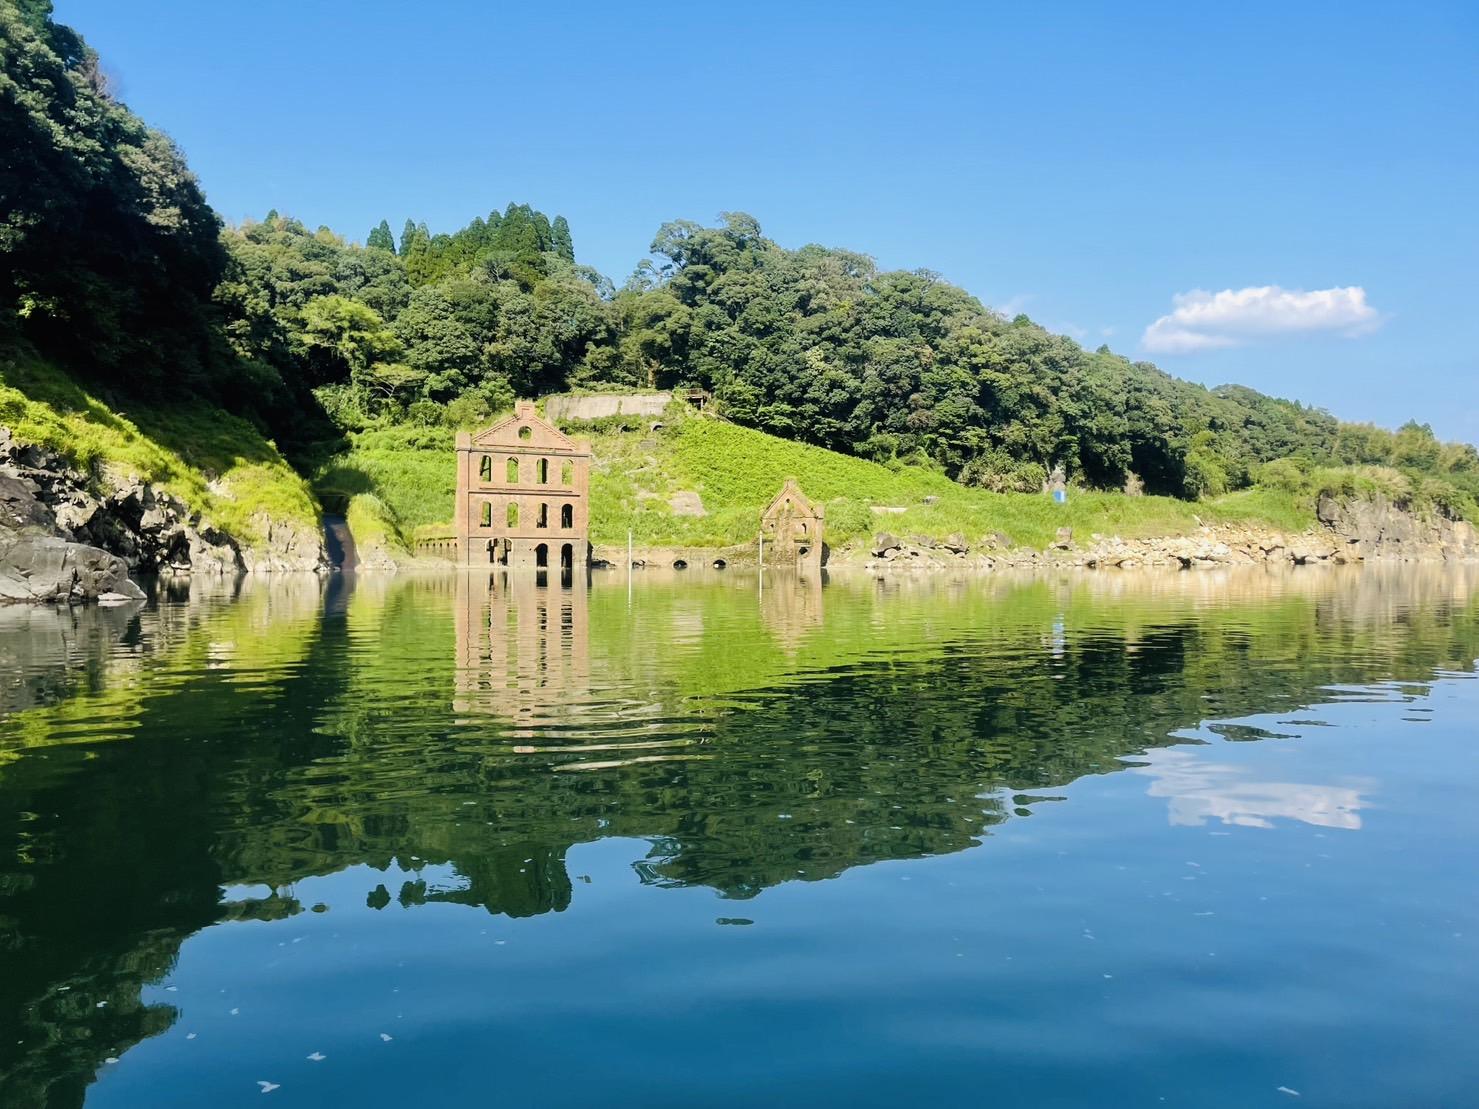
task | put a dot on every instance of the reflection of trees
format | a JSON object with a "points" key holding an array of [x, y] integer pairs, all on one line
{"points": [[109, 858], [285, 736], [47, 650]]}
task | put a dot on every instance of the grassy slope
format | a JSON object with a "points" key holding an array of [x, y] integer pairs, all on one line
{"points": [[736, 470], [395, 482], [218, 464]]}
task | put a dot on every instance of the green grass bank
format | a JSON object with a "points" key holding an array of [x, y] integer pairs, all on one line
{"points": [[219, 465]]}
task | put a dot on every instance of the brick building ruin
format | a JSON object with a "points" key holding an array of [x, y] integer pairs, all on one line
{"points": [[523, 495], [792, 528]]}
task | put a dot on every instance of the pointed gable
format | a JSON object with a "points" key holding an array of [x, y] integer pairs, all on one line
{"points": [[799, 505], [542, 435]]}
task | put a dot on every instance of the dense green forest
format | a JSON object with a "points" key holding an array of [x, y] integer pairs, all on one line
{"points": [[115, 266]]}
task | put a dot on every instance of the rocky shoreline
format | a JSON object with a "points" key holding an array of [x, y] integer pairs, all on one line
{"points": [[66, 535], [1348, 531]]}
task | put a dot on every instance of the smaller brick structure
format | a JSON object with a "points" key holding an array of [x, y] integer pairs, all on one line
{"points": [[523, 495], [793, 527]]}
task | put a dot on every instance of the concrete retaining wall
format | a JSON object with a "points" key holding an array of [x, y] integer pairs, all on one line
{"points": [[601, 405]]}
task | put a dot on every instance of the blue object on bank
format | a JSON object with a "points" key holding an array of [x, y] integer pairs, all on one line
{"points": [[1060, 496]]}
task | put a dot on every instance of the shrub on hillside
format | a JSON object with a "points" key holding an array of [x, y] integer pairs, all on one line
{"points": [[846, 518]]}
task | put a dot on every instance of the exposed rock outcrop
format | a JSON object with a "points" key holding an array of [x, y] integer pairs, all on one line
{"points": [[38, 566], [286, 546], [67, 535], [45, 568], [1381, 529], [1348, 530]]}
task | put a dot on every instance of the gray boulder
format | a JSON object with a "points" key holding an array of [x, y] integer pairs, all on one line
{"points": [[40, 568], [883, 543], [20, 511]]}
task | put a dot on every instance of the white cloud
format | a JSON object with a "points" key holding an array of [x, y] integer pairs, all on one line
{"points": [[1200, 320], [1014, 304]]}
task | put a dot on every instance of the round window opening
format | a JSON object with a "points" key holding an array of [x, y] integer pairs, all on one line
{"points": [[526, 433]]}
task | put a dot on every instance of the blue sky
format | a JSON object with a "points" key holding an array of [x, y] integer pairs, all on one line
{"points": [[1084, 163]]}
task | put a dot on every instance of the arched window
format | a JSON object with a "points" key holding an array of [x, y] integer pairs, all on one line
{"points": [[567, 515], [567, 474], [511, 471], [487, 518], [485, 468], [541, 471], [513, 514], [542, 520]]}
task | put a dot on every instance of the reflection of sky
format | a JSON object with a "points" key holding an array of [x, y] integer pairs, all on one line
{"points": [[1200, 790]]}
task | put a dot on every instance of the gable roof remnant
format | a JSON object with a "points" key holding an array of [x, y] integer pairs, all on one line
{"points": [[546, 436], [801, 504]]}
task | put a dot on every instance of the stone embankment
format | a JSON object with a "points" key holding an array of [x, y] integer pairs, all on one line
{"points": [[1348, 531], [66, 535]]}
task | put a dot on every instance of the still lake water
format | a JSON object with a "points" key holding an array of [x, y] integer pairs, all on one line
{"points": [[1204, 839]]}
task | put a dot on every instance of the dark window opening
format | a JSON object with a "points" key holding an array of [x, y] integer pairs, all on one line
{"points": [[567, 515]]}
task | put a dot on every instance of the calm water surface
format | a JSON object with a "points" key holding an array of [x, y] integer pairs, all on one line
{"points": [[1197, 839]]}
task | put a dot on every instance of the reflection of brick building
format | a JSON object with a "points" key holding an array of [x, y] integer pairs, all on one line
{"points": [[523, 495], [523, 650], [791, 610], [792, 527]]}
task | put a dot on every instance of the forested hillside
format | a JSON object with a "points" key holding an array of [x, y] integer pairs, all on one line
{"points": [[115, 267]]}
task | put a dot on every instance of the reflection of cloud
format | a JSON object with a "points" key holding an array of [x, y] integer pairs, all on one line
{"points": [[1200, 790]]}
